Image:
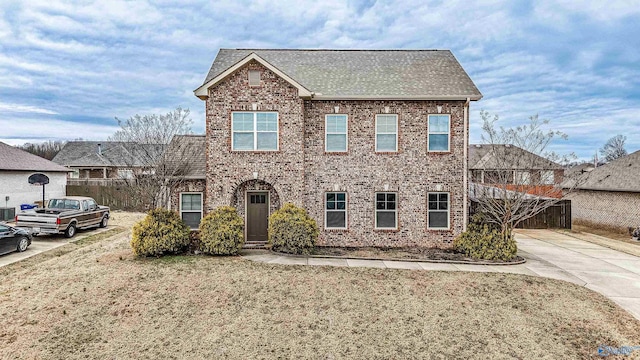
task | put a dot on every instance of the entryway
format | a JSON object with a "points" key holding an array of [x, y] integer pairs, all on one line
{"points": [[257, 218]]}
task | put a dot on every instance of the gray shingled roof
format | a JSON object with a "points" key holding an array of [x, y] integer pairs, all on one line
{"points": [[480, 157], [14, 159], [619, 175], [113, 154], [194, 146], [393, 73]]}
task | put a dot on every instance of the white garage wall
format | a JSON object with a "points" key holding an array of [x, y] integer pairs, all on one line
{"points": [[15, 184]]}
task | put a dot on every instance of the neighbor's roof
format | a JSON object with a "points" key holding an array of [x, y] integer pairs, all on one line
{"points": [[481, 156], [622, 174], [345, 74], [14, 159], [112, 154], [188, 151]]}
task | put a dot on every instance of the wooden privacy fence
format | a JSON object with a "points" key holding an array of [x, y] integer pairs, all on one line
{"points": [[557, 216], [116, 197]]}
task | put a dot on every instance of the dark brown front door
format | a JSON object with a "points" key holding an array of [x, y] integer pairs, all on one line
{"points": [[257, 216]]}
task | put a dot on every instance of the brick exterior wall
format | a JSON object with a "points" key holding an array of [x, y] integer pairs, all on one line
{"points": [[301, 172], [615, 209], [188, 186]]}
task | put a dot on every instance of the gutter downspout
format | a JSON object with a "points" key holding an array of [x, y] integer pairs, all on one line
{"points": [[465, 195]]}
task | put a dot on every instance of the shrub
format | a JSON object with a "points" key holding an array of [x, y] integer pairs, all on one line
{"points": [[222, 232], [160, 232], [291, 230], [485, 241]]}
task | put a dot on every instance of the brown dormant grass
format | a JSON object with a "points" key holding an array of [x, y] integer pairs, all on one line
{"points": [[99, 302]]}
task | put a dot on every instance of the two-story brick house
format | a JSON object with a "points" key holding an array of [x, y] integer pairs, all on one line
{"points": [[373, 144]]}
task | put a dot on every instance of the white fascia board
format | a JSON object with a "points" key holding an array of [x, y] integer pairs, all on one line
{"points": [[203, 91]]}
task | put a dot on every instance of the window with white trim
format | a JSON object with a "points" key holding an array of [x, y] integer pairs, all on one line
{"points": [[125, 173], [386, 133], [335, 129], [438, 210], [547, 177], [438, 129], [191, 209], [386, 210], [254, 131], [523, 177], [335, 213]]}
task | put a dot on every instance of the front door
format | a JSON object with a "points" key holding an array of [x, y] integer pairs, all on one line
{"points": [[257, 216]]}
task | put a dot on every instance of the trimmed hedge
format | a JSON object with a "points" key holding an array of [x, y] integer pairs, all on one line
{"points": [[291, 230], [485, 241], [222, 232], [161, 232]]}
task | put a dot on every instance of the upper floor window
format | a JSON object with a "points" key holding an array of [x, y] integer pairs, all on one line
{"points": [[386, 211], [254, 77], [335, 139], [386, 133], [254, 131], [438, 128], [523, 178], [546, 177]]}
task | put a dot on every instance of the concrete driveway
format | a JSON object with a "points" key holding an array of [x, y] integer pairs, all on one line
{"points": [[40, 244], [612, 273]]}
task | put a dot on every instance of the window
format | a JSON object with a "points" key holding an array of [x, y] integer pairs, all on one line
{"points": [[522, 178], [438, 211], [386, 211], [191, 209], [547, 177], [125, 173], [335, 129], [335, 213], [386, 133], [438, 132], [92, 204], [254, 77], [75, 174], [254, 131]]}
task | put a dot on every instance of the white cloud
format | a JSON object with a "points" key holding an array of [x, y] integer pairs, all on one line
{"points": [[17, 108]]}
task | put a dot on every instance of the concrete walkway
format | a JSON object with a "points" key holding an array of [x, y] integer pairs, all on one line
{"points": [[44, 243], [614, 274]]}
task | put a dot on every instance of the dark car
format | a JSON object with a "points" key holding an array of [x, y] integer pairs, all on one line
{"points": [[12, 239]]}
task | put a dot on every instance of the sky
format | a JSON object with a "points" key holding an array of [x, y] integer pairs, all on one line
{"points": [[69, 68]]}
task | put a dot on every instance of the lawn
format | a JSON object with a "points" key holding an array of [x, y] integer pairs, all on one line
{"points": [[98, 302]]}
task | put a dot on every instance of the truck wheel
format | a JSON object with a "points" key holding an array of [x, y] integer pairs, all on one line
{"points": [[104, 222], [71, 231]]}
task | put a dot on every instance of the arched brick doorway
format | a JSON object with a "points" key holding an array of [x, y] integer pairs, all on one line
{"points": [[255, 200]]}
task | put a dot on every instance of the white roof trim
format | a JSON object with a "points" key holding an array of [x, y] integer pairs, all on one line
{"points": [[203, 91], [398, 97]]}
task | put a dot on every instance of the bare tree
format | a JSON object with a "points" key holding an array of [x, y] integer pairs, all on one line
{"points": [[156, 161], [47, 149], [614, 148], [520, 177]]}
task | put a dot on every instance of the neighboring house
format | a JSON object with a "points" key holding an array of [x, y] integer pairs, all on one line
{"points": [[101, 162], [371, 143], [609, 194], [515, 167], [16, 166]]}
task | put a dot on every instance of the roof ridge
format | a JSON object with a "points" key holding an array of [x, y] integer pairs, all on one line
{"points": [[285, 49]]}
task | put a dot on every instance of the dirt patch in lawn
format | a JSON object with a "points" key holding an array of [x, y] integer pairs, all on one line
{"points": [[101, 302], [408, 253]]}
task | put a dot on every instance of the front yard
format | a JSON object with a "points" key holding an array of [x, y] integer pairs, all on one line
{"points": [[98, 301]]}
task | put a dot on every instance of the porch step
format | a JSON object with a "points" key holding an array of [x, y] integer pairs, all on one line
{"points": [[255, 245]]}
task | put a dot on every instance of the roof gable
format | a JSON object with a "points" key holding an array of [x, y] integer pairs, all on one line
{"points": [[618, 175], [14, 159], [357, 74], [203, 91]]}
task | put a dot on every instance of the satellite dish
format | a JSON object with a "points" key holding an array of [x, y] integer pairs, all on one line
{"points": [[38, 179]]}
